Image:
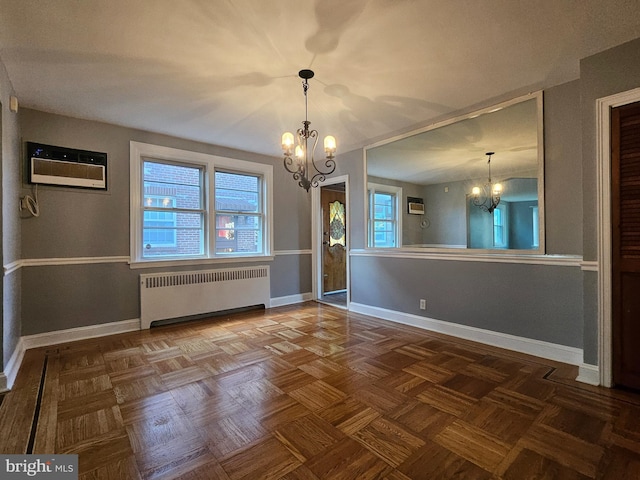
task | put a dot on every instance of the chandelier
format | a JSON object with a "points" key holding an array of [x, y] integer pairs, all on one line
{"points": [[299, 161], [487, 197]]}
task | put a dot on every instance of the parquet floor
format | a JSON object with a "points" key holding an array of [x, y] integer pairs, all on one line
{"points": [[314, 392]]}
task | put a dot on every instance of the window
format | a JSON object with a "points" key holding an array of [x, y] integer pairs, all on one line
{"points": [[500, 232], [238, 213], [384, 216], [173, 213], [187, 206]]}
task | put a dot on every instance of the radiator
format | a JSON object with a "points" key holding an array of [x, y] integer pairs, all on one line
{"points": [[182, 294]]}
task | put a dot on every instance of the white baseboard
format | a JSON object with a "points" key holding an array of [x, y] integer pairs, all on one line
{"points": [[291, 299], [79, 333], [13, 365], [60, 336], [588, 374], [551, 351]]}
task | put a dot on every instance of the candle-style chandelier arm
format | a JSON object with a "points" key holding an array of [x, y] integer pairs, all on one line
{"points": [[321, 176]]}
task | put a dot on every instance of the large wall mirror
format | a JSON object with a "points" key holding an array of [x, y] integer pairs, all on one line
{"points": [[420, 186]]}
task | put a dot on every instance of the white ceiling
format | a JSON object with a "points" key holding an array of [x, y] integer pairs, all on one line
{"points": [[225, 71]]}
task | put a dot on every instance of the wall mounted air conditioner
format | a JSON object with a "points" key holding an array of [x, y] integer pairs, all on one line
{"points": [[416, 206], [67, 167]]}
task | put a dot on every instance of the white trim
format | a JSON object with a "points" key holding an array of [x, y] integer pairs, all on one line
{"points": [[42, 262], [425, 254], [12, 367], [79, 333], [603, 194], [46, 262], [589, 266], [316, 234], [198, 261], [291, 299], [551, 351], [588, 374], [293, 252], [542, 209], [12, 267]]}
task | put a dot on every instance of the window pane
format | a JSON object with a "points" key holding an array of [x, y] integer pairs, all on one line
{"points": [[165, 231], [237, 192], [184, 236], [383, 212], [383, 234], [383, 199], [238, 234], [159, 228], [383, 206], [172, 186], [384, 239]]}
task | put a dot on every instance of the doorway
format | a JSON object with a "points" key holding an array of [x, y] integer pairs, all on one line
{"points": [[607, 347], [625, 244], [332, 243]]}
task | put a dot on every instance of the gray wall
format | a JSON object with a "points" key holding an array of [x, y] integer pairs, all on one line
{"points": [[446, 213], [533, 301], [607, 73], [83, 223], [10, 330]]}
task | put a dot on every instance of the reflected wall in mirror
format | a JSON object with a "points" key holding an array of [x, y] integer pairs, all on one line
{"points": [[442, 164]]}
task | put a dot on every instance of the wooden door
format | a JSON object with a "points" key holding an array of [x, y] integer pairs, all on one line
{"points": [[625, 244], [334, 228]]}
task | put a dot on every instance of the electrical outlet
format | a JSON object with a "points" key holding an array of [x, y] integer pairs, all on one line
{"points": [[423, 304]]}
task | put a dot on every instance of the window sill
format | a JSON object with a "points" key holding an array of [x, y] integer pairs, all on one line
{"points": [[199, 261]]}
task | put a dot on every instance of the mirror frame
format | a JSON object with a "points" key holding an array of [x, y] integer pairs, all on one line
{"points": [[538, 97]]}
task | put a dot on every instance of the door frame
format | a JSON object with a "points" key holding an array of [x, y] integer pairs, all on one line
{"points": [[603, 193], [316, 235]]}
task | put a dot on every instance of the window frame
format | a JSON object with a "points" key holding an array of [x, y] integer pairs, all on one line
{"points": [[372, 189], [139, 152]]}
